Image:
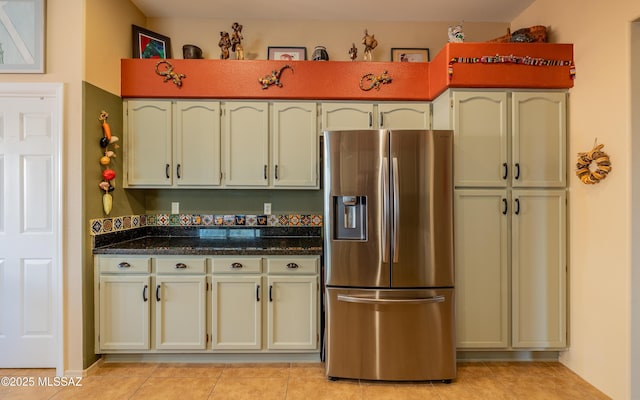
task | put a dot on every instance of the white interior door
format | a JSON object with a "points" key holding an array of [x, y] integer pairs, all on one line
{"points": [[29, 225]]}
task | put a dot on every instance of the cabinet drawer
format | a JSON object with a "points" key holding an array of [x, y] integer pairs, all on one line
{"points": [[292, 265], [237, 265], [124, 264], [181, 265]]}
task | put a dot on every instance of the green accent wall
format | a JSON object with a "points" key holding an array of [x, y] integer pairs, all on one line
{"points": [[94, 100]]}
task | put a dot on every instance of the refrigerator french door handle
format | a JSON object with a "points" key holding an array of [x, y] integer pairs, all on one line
{"points": [[385, 209], [396, 208], [373, 300]]}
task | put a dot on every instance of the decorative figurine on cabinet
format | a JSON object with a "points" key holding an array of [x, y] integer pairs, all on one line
{"points": [[456, 35], [370, 43], [225, 44], [236, 41], [353, 52]]}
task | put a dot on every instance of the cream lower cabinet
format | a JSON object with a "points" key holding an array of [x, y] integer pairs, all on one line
{"points": [[354, 115], [180, 303], [236, 303], [510, 249], [160, 303], [292, 312], [123, 298]]}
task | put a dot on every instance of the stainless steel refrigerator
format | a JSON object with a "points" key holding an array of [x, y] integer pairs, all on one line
{"points": [[389, 275]]}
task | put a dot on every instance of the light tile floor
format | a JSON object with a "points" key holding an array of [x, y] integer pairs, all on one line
{"points": [[476, 380]]}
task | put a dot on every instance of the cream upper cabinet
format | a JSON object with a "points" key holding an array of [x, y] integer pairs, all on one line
{"points": [[482, 268], [294, 134], [539, 130], [347, 116], [539, 268], [197, 144], [172, 143], [148, 143], [246, 144], [502, 138], [180, 303], [404, 115], [271, 145], [353, 116]]}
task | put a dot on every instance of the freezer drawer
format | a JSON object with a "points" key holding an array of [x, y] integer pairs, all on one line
{"points": [[395, 335]]}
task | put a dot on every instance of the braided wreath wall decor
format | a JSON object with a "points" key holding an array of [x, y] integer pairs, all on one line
{"points": [[589, 173]]}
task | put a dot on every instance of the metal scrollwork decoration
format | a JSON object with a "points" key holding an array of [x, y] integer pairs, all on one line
{"points": [[274, 77], [373, 81], [169, 74]]}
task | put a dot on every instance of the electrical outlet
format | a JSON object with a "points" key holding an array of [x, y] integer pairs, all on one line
{"points": [[267, 208], [175, 207]]}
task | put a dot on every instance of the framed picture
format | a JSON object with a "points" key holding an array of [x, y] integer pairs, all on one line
{"points": [[147, 44], [410, 55], [22, 36], [287, 53]]}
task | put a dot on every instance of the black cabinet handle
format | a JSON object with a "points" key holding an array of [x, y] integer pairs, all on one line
{"points": [[517, 210], [381, 115], [504, 206], [265, 171], [276, 172], [158, 293], [257, 292], [270, 293], [166, 170], [178, 171], [293, 266], [506, 170], [370, 120], [124, 264], [144, 293], [181, 266], [236, 265], [517, 171]]}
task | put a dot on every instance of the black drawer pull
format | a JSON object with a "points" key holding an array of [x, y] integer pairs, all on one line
{"points": [[181, 266], [124, 264], [293, 266], [236, 265]]}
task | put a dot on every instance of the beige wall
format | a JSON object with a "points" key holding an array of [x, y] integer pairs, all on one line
{"points": [[599, 250], [336, 36], [64, 63]]}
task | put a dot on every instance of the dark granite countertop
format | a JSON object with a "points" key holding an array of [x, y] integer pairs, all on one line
{"points": [[155, 243]]}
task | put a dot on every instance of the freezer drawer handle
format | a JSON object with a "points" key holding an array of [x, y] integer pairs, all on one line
{"points": [[372, 300]]}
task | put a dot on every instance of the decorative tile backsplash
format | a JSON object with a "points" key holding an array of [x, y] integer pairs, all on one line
{"points": [[116, 224]]}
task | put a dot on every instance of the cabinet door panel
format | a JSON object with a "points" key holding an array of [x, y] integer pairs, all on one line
{"points": [[180, 312], [246, 144], [197, 143], [539, 268], [404, 115], [480, 139], [292, 312], [237, 312], [481, 254], [539, 139], [124, 312], [347, 116], [148, 143], [295, 145]]}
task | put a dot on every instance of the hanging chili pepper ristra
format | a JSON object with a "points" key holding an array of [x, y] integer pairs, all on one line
{"points": [[108, 174]]}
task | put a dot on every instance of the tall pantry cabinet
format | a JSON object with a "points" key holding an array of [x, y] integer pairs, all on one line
{"points": [[510, 216]]}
